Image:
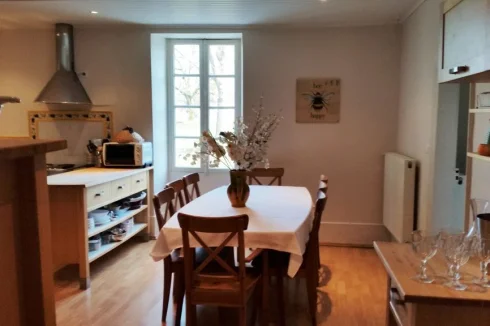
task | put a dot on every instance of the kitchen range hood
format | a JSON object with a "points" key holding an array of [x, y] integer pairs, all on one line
{"points": [[64, 87], [8, 99]]}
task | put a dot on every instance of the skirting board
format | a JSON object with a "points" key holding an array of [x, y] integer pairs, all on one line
{"points": [[354, 234]]}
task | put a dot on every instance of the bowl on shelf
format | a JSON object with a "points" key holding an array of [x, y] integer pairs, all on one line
{"points": [[118, 234], [100, 216], [136, 201], [120, 210], [94, 244], [105, 238]]}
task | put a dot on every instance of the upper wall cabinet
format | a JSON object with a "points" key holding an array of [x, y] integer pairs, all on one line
{"points": [[465, 44]]}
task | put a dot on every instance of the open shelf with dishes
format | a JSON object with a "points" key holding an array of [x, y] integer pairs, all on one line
{"points": [[113, 224], [105, 248], [118, 220]]}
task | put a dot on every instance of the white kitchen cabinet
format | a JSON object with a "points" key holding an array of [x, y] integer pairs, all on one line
{"points": [[465, 41]]}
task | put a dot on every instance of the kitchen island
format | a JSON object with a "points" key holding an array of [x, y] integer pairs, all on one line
{"points": [[410, 303], [26, 296], [74, 194]]}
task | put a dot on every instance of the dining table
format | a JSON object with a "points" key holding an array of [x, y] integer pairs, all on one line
{"points": [[279, 219]]}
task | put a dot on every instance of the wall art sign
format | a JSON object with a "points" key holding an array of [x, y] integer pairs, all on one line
{"points": [[318, 100]]}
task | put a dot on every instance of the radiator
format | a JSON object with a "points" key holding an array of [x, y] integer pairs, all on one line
{"points": [[399, 195]]}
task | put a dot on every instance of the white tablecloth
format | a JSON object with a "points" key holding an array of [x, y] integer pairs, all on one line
{"points": [[279, 219]]}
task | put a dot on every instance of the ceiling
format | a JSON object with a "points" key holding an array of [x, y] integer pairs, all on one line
{"points": [[305, 13]]}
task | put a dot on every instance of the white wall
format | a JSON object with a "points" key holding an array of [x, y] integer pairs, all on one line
{"points": [[418, 98], [366, 59]]}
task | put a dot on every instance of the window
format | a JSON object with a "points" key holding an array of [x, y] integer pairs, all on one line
{"points": [[204, 93]]}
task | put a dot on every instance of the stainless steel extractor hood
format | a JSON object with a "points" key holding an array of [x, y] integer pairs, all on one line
{"points": [[64, 87]]}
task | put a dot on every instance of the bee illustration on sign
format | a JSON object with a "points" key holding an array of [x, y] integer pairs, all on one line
{"points": [[318, 100]]}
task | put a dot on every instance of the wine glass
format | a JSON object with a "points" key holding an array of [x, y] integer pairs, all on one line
{"points": [[457, 250], [444, 234], [482, 251], [424, 245]]}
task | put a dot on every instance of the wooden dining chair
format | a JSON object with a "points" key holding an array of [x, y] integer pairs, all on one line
{"points": [[259, 173], [174, 263], [226, 286], [279, 262], [178, 187], [191, 181]]}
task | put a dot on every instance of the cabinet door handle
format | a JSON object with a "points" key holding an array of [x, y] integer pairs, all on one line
{"points": [[458, 70], [120, 187], [99, 194], [138, 181]]}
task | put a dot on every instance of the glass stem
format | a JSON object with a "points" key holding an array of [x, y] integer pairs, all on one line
{"points": [[483, 269], [423, 269], [456, 275]]}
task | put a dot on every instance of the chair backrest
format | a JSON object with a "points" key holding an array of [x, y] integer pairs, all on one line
{"points": [[275, 173], [178, 187], [321, 202], [191, 181], [164, 199], [323, 186], [191, 226]]}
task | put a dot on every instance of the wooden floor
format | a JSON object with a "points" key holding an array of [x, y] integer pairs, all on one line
{"points": [[127, 290]]}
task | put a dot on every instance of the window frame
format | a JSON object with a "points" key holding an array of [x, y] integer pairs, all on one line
{"points": [[204, 106]]}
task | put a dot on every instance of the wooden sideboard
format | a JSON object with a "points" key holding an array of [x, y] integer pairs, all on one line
{"points": [[26, 295], [411, 303], [74, 194]]}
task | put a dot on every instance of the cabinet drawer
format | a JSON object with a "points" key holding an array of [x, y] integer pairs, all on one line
{"points": [[139, 182], [97, 195], [121, 188]]}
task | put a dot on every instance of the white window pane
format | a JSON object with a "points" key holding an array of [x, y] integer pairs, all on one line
{"points": [[187, 122], [184, 146], [186, 91], [221, 120], [221, 59], [222, 91], [186, 59]]}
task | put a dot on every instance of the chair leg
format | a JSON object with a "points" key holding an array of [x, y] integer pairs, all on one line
{"points": [[167, 281], [179, 291], [190, 314], [280, 298], [257, 304], [311, 289], [319, 266], [243, 316]]}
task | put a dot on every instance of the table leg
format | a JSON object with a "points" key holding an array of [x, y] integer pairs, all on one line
{"points": [[390, 319], [265, 289]]}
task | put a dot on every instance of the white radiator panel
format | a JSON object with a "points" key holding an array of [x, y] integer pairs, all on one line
{"points": [[399, 195]]}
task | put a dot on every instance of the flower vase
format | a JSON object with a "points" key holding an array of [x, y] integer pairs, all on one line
{"points": [[238, 191]]}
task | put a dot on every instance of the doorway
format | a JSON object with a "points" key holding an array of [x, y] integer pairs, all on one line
{"points": [[450, 157]]}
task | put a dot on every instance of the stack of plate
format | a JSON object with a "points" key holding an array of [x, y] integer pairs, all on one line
{"points": [[127, 225], [100, 216], [91, 223]]}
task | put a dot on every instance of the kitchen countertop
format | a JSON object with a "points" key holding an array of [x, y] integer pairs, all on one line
{"points": [[13, 148], [89, 177]]}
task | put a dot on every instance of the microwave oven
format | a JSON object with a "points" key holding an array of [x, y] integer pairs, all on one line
{"points": [[127, 155]]}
